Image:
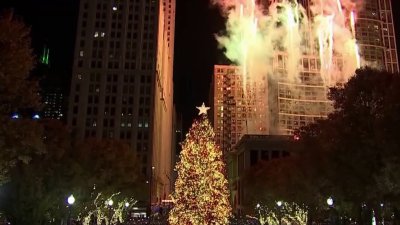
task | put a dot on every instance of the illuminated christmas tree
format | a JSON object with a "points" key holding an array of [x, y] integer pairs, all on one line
{"points": [[201, 194]]}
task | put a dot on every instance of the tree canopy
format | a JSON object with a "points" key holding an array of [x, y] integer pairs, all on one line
{"points": [[37, 192], [353, 155], [17, 90], [20, 139]]}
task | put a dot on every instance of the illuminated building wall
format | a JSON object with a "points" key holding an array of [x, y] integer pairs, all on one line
{"points": [[376, 36], [163, 102], [233, 111], [121, 84], [289, 105], [292, 103], [227, 96], [53, 100], [298, 104]]}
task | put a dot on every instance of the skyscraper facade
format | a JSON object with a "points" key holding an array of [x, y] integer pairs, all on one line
{"points": [[292, 103], [376, 36], [121, 84], [53, 100], [285, 106], [228, 110]]}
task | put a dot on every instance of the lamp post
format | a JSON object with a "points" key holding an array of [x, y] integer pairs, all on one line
{"points": [[279, 204], [261, 218], [110, 203], [70, 201], [150, 190], [332, 213], [258, 209], [382, 214]]}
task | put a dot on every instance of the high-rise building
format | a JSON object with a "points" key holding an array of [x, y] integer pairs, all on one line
{"points": [[375, 33], [237, 111], [234, 110], [281, 104], [121, 84], [53, 99], [376, 36], [51, 89]]}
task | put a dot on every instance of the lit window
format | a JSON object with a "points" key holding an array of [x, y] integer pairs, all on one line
{"points": [[146, 124], [114, 8], [96, 34], [81, 53], [140, 124], [103, 34]]}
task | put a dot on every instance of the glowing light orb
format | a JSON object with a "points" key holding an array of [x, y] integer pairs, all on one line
{"points": [[71, 200]]}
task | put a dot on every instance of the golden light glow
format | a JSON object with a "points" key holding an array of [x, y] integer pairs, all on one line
{"points": [[201, 189]]}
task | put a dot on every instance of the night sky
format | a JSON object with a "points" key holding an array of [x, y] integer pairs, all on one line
{"points": [[53, 23]]}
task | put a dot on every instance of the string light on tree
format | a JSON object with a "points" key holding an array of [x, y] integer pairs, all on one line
{"points": [[201, 194]]}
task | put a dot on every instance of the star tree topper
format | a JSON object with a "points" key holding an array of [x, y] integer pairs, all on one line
{"points": [[203, 109]]}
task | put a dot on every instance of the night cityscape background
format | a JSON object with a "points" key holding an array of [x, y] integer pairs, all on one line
{"points": [[53, 23]]}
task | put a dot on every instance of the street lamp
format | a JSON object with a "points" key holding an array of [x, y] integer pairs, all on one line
{"points": [[150, 190], [279, 204], [329, 201], [332, 212], [110, 202], [70, 201]]}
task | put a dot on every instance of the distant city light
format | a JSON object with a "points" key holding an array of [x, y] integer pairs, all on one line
{"points": [[36, 117], [45, 56], [15, 116]]}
